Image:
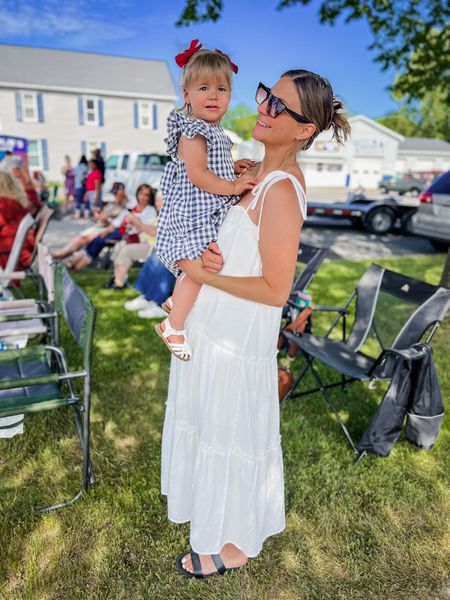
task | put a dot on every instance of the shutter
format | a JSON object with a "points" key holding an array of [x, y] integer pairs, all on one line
{"points": [[136, 115], [155, 116], [83, 148], [44, 154], [19, 106], [40, 107], [101, 120], [103, 150], [80, 111]]}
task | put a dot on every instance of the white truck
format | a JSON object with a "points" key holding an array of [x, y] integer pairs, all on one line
{"points": [[132, 169]]}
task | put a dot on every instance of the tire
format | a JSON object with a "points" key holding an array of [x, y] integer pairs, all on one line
{"points": [[407, 222], [415, 192], [440, 245], [383, 190], [380, 220]]}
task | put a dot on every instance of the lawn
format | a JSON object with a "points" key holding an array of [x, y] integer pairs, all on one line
{"points": [[376, 531]]}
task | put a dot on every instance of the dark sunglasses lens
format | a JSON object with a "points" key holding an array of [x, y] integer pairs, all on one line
{"points": [[275, 107], [261, 95]]}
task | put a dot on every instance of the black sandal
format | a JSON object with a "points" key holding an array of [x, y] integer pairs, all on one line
{"points": [[198, 573]]}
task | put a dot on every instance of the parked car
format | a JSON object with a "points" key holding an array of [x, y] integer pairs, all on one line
{"points": [[412, 183], [432, 219], [132, 169]]}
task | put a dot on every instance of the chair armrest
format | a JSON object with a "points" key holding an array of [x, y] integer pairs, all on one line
{"points": [[13, 275], [339, 309], [26, 317], [10, 384]]}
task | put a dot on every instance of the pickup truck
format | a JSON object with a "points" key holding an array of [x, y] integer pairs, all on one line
{"points": [[410, 183], [376, 216], [132, 169]]}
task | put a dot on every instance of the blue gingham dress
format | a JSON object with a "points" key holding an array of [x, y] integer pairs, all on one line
{"points": [[190, 217]]}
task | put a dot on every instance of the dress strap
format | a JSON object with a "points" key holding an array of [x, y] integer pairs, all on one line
{"points": [[260, 190]]}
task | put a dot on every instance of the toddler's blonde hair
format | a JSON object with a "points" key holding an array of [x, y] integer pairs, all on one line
{"points": [[208, 64]]}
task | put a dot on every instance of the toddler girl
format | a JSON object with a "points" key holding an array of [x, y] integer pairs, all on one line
{"points": [[200, 185]]}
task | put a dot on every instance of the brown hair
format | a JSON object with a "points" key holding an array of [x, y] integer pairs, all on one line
{"points": [[145, 186], [205, 63], [320, 105]]}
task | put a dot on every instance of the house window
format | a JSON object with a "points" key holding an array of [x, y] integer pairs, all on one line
{"points": [[90, 110], [145, 115], [29, 107], [35, 159], [319, 167]]}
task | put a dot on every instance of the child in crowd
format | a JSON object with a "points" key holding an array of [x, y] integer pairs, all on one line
{"points": [[199, 185]]}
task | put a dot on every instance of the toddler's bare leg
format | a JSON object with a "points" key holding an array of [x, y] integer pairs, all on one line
{"points": [[183, 298]]}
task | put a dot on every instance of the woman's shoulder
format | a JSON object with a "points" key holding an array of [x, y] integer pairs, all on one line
{"points": [[286, 189]]}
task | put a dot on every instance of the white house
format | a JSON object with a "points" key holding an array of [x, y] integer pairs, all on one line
{"points": [[372, 151], [72, 102]]}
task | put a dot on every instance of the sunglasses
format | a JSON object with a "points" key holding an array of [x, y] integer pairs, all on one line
{"points": [[275, 106]]}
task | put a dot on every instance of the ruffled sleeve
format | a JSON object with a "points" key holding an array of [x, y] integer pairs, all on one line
{"points": [[178, 124]]}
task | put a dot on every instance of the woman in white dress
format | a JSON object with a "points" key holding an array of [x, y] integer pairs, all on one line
{"points": [[222, 466]]}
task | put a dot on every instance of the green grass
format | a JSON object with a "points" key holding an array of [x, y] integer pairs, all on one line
{"points": [[377, 531]]}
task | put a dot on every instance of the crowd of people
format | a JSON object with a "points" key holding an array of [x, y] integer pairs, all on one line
{"points": [[83, 184]]}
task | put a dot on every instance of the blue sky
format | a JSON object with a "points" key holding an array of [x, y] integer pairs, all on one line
{"points": [[261, 40]]}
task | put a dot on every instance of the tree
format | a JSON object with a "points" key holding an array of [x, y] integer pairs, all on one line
{"points": [[410, 35], [427, 118], [241, 119]]}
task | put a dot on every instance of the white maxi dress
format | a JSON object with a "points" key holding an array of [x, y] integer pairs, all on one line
{"points": [[222, 466]]}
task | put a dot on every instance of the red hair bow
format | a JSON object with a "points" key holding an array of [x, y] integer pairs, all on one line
{"points": [[234, 67], [182, 58]]}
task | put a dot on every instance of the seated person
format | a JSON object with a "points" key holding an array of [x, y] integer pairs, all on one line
{"points": [[155, 284], [15, 203], [144, 210], [103, 219], [133, 248]]}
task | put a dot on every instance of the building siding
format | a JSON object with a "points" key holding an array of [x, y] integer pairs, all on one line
{"points": [[64, 134]]}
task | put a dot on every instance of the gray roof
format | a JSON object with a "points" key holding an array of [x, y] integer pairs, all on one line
{"points": [[417, 144], [62, 69]]}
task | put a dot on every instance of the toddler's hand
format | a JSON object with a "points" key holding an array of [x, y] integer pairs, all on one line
{"points": [[243, 164], [245, 182]]}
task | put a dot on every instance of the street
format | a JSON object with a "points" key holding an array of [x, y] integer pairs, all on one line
{"points": [[342, 240]]}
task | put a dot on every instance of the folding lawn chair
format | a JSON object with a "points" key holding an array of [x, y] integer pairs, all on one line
{"points": [[309, 259], [14, 255], [392, 312], [26, 316], [38, 378]]}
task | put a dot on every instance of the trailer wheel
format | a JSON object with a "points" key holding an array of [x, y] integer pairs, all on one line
{"points": [[380, 220], [407, 222]]}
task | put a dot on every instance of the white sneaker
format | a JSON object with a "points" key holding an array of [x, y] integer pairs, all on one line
{"points": [[139, 303], [152, 313]]}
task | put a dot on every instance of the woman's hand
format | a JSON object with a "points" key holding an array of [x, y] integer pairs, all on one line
{"points": [[242, 165], [212, 258], [194, 270]]}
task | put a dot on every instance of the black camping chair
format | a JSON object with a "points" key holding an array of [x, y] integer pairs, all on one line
{"points": [[38, 378], [309, 259], [392, 312]]}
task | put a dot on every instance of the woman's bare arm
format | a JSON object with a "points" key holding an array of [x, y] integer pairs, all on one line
{"points": [[194, 154], [278, 245]]}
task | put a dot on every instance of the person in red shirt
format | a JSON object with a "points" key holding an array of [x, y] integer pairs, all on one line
{"points": [[15, 203], [93, 187]]}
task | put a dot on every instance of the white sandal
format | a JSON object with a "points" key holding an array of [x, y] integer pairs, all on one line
{"points": [[167, 305], [182, 351]]}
